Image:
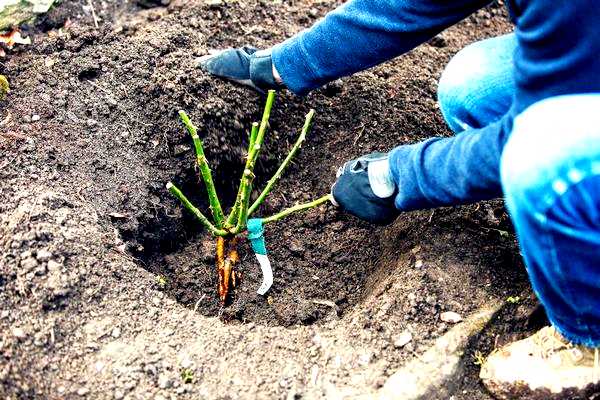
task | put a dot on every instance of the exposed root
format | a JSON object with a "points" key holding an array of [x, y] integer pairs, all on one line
{"points": [[227, 258]]}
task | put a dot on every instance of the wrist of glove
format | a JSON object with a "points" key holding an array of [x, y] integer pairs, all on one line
{"points": [[246, 65], [365, 189]]}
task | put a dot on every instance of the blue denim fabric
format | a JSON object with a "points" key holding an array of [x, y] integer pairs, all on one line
{"points": [[550, 177], [550, 171], [477, 86]]}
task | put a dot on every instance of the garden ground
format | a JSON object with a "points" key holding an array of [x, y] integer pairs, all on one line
{"points": [[108, 288]]}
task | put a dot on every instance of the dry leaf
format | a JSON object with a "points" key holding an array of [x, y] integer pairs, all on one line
{"points": [[14, 37]]}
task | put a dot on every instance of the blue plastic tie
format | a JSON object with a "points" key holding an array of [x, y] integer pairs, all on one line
{"points": [[256, 235]]}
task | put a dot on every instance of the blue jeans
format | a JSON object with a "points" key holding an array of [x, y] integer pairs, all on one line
{"points": [[550, 170]]}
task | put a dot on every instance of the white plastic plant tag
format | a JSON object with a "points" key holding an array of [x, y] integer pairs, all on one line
{"points": [[267, 271]]}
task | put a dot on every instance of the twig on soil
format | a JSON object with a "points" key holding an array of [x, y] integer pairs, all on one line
{"points": [[198, 303], [32, 209], [431, 217], [327, 303], [359, 135], [105, 91], [91, 6]]}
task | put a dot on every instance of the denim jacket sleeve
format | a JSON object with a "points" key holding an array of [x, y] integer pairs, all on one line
{"points": [[451, 170], [361, 34]]}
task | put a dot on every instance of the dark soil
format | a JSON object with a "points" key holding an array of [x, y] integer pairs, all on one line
{"points": [[107, 139]]}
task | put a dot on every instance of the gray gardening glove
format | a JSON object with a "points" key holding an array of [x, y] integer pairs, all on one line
{"points": [[246, 65], [365, 189]]}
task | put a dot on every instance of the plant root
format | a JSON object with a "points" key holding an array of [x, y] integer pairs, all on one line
{"points": [[227, 258]]}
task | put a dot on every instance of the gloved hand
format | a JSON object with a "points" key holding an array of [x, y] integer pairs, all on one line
{"points": [[246, 65], [365, 189]]}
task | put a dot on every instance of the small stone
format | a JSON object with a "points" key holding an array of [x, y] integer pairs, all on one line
{"points": [[116, 332], [364, 359], [451, 317], [180, 149], [419, 264], [35, 117], [91, 122], [43, 255], [402, 339], [92, 346], [28, 264], [156, 301], [118, 395], [39, 339], [19, 333], [164, 382], [129, 385], [83, 391], [99, 366], [150, 369], [53, 266], [186, 363], [296, 248]]}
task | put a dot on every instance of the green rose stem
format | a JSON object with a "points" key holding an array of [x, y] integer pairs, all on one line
{"points": [[233, 215], [284, 164], [213, 199], [197, 213], [297, 208], [248, 174]]}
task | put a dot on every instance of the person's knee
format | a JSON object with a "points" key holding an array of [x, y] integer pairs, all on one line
{"points": [[477, 85], [459, 85], [554, 145]]}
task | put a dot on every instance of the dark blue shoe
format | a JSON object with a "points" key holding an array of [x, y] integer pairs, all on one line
{"points": [[246, 65], [365, 189]]}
